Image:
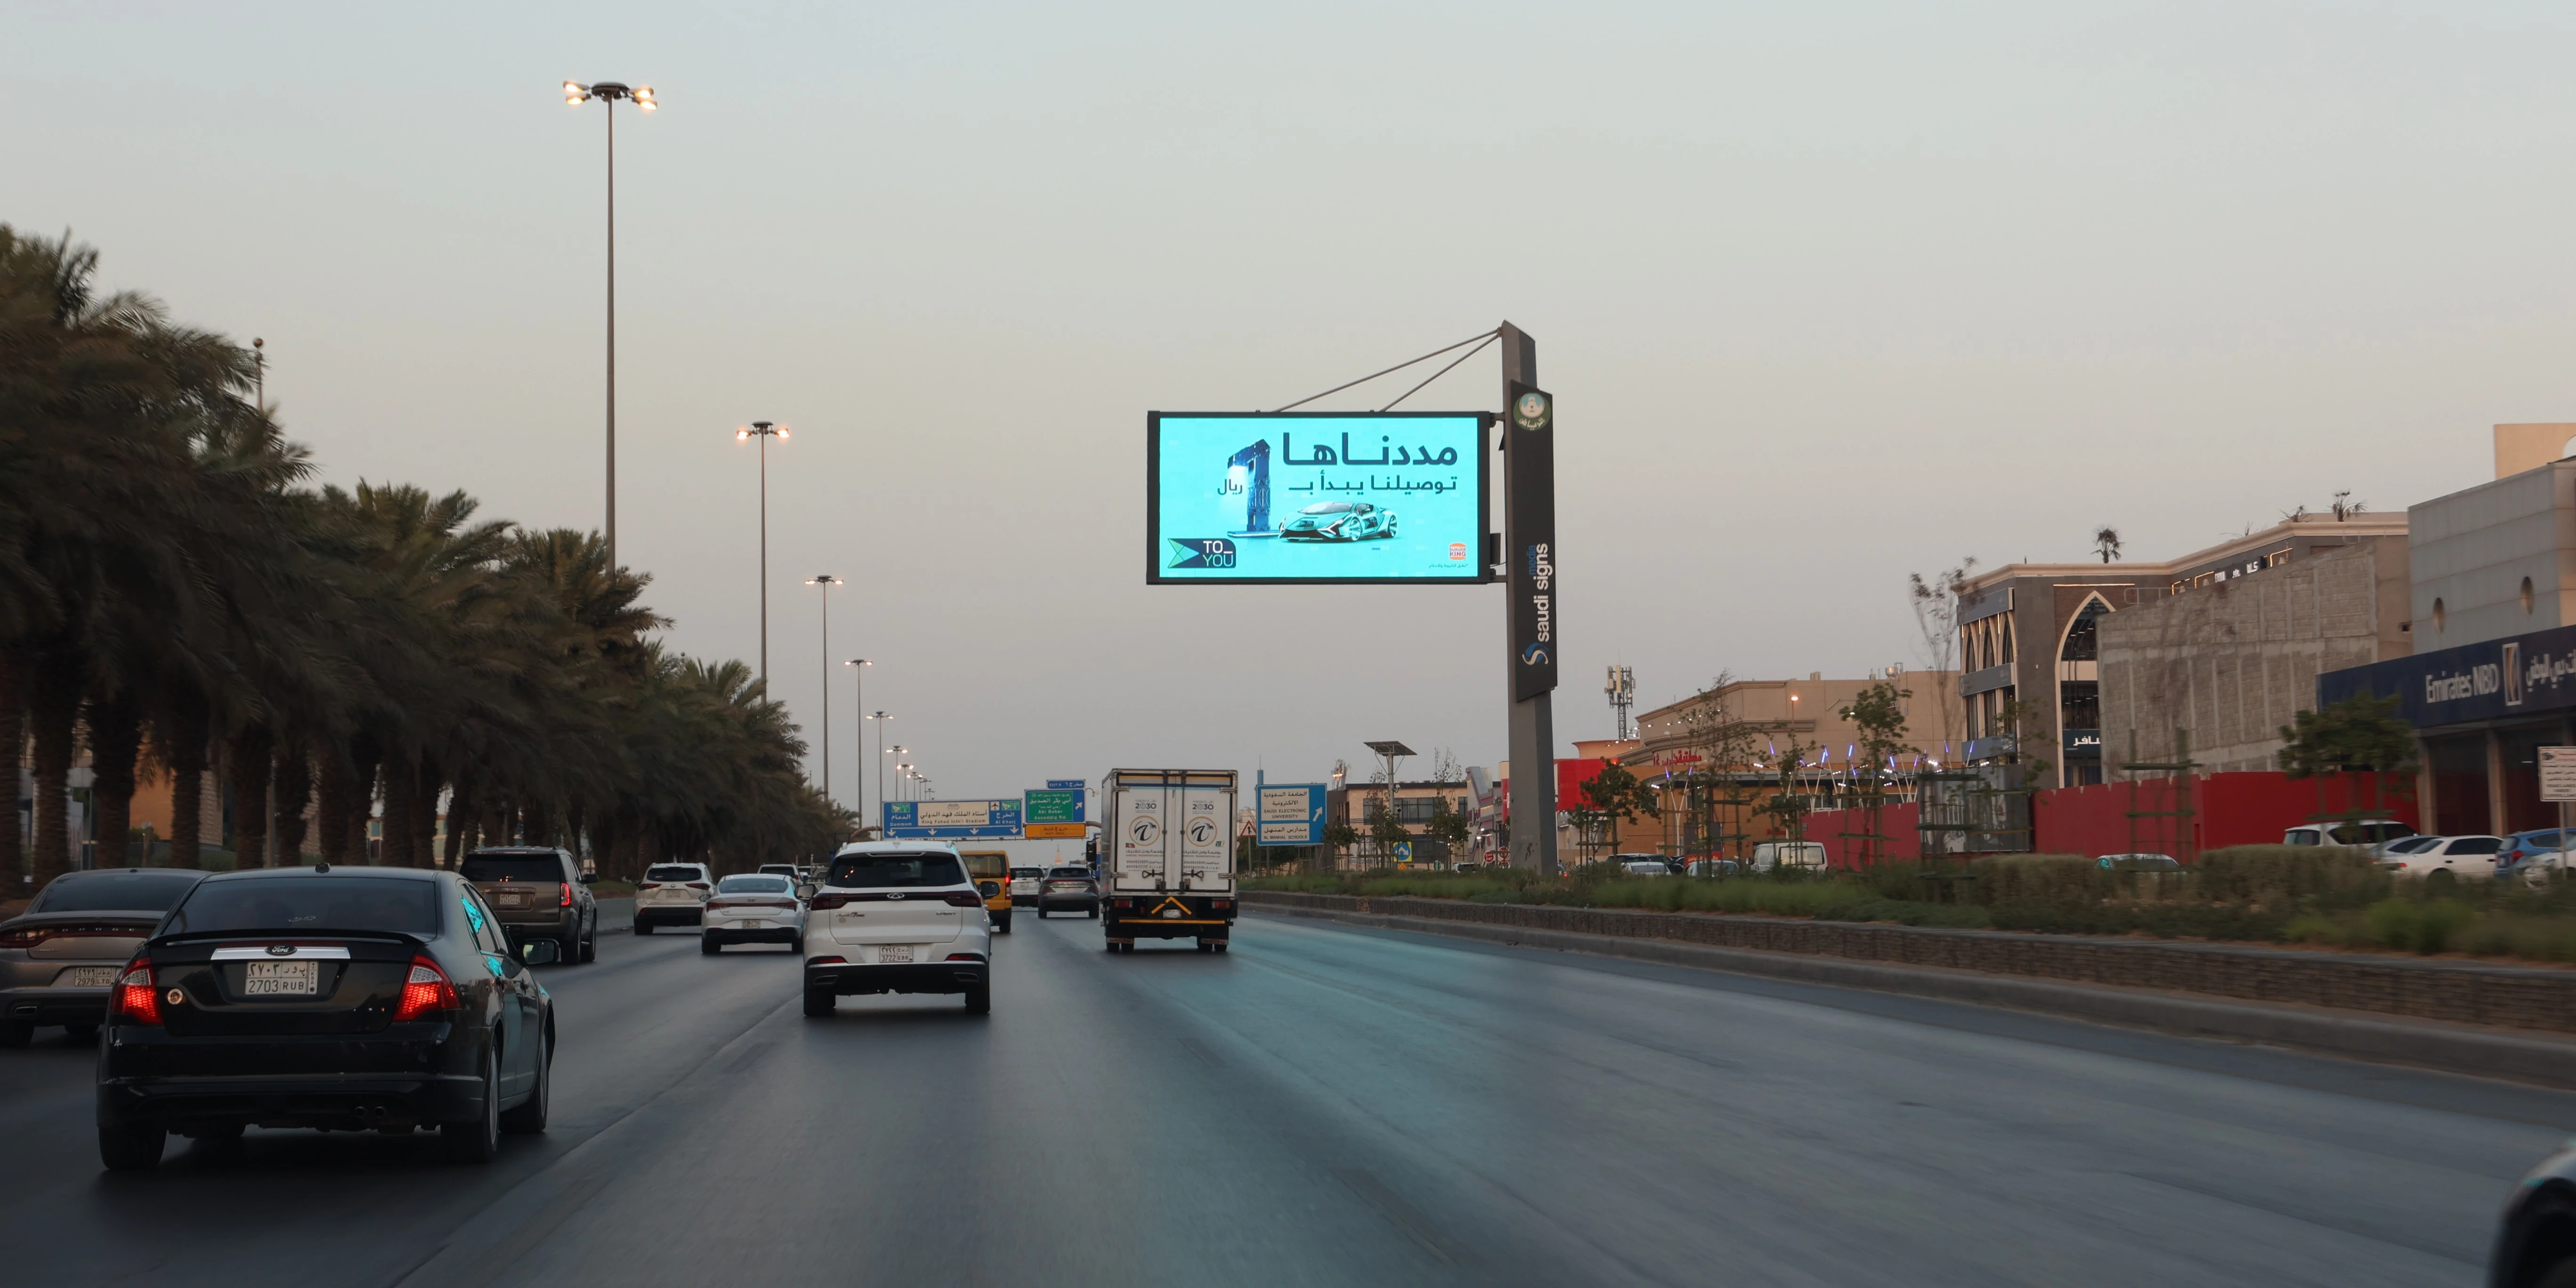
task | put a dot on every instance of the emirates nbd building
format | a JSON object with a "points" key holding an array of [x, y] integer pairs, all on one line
{"points": [[2493, 677]]}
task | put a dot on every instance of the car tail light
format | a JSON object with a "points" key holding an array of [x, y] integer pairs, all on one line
{"points": [[965, 957], [963, 898], [426, 990], [827, 902], [827, 961], [137, 998], [700, 885], [567, 895]]}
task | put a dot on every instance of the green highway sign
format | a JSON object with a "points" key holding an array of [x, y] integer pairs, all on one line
{"points": [[1052, 812]]}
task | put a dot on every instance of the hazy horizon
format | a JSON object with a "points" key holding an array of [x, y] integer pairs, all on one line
{"points": [[1826, 296]]}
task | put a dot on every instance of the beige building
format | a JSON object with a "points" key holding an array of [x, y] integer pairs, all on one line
{"points": [[2234, 661], [2031, 638]]}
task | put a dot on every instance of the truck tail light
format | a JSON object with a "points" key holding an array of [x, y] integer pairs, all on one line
{"points": [[137, 998], [426, 990], [566, 901]]}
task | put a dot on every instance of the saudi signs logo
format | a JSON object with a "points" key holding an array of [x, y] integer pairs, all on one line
{"points": [[1530, 411]]}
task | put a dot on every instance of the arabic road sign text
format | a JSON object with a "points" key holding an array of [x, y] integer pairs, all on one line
{"points": [[2558, 773], [1290, 815], [946, 820]]}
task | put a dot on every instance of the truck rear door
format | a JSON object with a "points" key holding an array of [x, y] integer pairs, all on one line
{"points": [[1140, 865]]}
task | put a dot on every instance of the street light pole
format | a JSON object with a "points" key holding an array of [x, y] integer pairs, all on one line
{"points": [[764, 431], [880, 718], [827, 582], [609, 92], [859, 708]]}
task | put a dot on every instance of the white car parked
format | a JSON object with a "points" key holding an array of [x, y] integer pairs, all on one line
{"points": [[2422, 856], [672, 894], [897, 917], [754, 908]]}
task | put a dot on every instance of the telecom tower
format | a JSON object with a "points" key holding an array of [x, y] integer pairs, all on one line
{"points": [[1623, 694]]}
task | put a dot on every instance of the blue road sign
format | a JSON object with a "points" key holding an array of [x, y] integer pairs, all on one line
{"points": [[1066, 784], [951, 820], [1289, 814]]}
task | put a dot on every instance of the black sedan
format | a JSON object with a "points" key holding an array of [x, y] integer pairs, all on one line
{"points": [[346, 999]]}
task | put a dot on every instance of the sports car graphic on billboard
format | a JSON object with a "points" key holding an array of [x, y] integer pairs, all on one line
{"points": [[1339, 521], [1315, 497]]}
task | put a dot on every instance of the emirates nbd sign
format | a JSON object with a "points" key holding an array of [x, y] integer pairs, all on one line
{"points": [[2498, 679]]}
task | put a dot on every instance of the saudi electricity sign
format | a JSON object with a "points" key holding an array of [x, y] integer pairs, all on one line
{"points": [[1315, 497]]}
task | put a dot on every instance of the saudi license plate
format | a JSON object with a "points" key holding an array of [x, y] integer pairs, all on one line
{"points": [[86, 977], [275, 979], [754, 925], [512, 901], [895, 953]]}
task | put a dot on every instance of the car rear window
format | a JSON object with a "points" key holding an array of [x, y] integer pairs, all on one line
{"points": [[878, 871], [752, 885], [2477, 845], [1075, 873], [511, 867], [1028, 872], [115, 891], [310, 904], [673, 872]]}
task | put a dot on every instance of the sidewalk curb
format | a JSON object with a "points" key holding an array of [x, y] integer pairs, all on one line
{"points": [[2539, 1059]]}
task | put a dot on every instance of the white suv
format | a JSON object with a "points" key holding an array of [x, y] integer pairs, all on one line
{"points": [[672, 894], [897, 917]]}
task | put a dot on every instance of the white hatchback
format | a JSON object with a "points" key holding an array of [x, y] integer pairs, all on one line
{"points": [[754, 908], [897, 917], [2422, 856]]}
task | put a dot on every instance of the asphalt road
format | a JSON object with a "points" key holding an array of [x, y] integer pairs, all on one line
{"points": [[1323, 1105]]}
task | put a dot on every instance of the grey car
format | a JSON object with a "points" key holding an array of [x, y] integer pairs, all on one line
{"points": [[59, 959], [540, 893], [1068, 889]]}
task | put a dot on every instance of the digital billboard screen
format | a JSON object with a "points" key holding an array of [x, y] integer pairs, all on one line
{"points": [[1315, 497]]}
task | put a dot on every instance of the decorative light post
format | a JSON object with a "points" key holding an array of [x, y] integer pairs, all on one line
{"points": [[859, 707], [880, 718], [611, 92], [827, 582]]}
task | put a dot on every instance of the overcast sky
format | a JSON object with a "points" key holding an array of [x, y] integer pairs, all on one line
{"points": [[1826, 293]]}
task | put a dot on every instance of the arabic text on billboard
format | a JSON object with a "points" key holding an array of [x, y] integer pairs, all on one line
{"points": [[1327, 497]]}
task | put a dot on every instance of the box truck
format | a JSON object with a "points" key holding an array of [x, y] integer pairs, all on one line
{"points": [[1169, 872]]}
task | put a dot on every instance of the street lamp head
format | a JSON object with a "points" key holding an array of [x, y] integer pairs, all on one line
{"points": [[575, 94], [825, 580], [858, 661], [742, 436], [644, 97]]}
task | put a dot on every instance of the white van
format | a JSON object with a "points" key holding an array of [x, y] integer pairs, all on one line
{"points": [[1806, 856], [2370, 832]]}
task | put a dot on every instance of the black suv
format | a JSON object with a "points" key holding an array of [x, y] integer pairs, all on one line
{"points": [[340, 998], [541, 893]]}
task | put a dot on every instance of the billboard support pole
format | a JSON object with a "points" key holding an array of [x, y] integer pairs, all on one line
{"points": [[1529, 664]]}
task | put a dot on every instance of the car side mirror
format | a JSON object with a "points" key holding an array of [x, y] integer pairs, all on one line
{"points": [[590, 878], [807, 891], [540, 952]]}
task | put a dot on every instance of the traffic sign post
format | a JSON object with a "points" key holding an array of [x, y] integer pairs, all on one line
{"points": [[1288, 814], [2558, 784], [1054, 813]]}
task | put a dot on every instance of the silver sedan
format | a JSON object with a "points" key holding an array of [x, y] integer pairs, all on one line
{"points": [[59, 958]]}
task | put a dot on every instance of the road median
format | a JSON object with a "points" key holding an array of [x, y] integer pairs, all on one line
{"points": [[2491, 1020]]}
